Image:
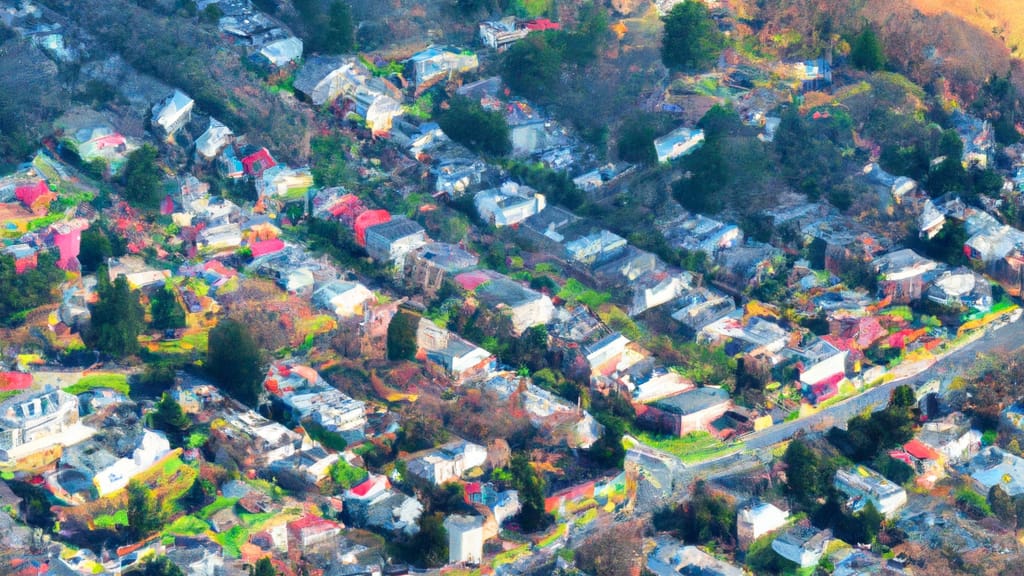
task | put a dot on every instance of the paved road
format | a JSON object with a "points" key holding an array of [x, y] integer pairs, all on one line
{"points": [[1008, 337]]}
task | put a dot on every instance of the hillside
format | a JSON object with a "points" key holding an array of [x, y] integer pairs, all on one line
{"points": [[1004, 18]]}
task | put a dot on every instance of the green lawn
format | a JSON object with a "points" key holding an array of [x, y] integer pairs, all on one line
{"points": [[232, 540], [187, 526], [216, 506], [692, 448], [119, 518], [117, 382]]}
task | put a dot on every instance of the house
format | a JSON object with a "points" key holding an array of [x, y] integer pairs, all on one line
{"points": [[679, 142], [525, 307], [930, 221], [220, 238], [746, 333], [951, 436], [210, 143], [549, 225], [546, 410], [755, 519], [310, 466], [465, 539], [427, 267], [669, 557], [453, 177], [252, 440], [67, 237], [823, 366], [903, 275], [928, 463], [230, 166], [35, 421], [307, 396], [961, 287], [994, 243], [500, 34], [282, 52], [310, 531], [459, 358], [446, 463], [596, 247], [153, 446], [256, 162], [702, 307], [691, 411], [864, 485], [138, 274], [321, 79], [284, 181], [437, 63], [996, 467], [36, 196], [392, 240], [657, 287], [510, 204], [813, 74], [393, 512], [173, 113], [804, 545], [345, 299], [25, 257], [377, 109]]}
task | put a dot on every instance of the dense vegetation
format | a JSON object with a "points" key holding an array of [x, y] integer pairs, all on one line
{"points": [[473, 126], [28, 290], [233, 360], [691, 41], [142, 177], [165, 309], [117, 317]]}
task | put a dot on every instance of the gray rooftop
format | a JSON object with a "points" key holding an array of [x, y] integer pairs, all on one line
{"points": [[693, 401]]}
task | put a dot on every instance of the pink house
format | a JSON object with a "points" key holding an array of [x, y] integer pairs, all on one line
{"points": [[67, 237]]}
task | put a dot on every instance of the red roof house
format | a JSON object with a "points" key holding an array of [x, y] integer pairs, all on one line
{"points": [[311, 530], [254, 164], [36, 197], [541, 24], [367, 220], [264, 247], [15, 381]]}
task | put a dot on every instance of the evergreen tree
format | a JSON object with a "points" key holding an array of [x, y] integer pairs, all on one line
{"points": [[402, 335], [169, 417], [1002, 505], [28, 290], [142, 177], [161, 566], [144, 514], [167, 313], [480, 130], [117, 318], [691, 40], [867, 52], [263, 567], [95, 248], [530, 485], [340, 36], [233, 360]]}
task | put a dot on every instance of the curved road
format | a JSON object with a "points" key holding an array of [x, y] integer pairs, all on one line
{"points": [[1007, 337]]}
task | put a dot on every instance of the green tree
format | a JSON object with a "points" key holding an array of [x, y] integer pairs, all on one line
{"points": [[402, 335], [167, 313], [169, 417], [340, 34], [144, 513], [95, 248], [480, 130], [636, 140], [867, 52], [28, 290], [233, 360], [807, 475], [117, 317], [530, 485], [346, 475], [532, 67], [263, 567], [429, 547], [691, 40], [142, 177], [161, 565], [1002, 505]]}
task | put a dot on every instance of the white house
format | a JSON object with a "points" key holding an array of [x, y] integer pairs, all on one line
{"points": [[465, 538], [802, 545], [151, 449], [756, 520], [448, 462], [864, 485], [173, 113], [678, 142], [345, 299], [211, 142], [508, 205], [283, 51]]}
